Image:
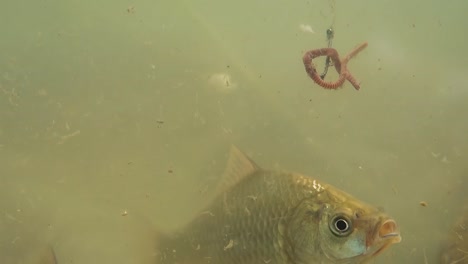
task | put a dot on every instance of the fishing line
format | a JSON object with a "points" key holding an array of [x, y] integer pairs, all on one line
{"points": [[330, 33]]}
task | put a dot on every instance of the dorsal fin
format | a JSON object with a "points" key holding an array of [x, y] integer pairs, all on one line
{"points": [[238, 167], [48, 256]]}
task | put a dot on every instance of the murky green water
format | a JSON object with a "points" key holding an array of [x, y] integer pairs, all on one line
{"points": [[116, 117]]}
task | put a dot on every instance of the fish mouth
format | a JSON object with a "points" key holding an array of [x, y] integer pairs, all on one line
{"points": [[387, 235], [389, 231]]}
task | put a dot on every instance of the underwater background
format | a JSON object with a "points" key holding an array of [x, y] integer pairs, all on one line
{"points": [[116, 117]]}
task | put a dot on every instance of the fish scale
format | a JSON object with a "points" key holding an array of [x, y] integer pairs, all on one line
{"points": [[227, 220], [263, 216]]}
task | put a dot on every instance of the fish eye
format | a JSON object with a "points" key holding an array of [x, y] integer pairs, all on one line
{"points": [[340, 225]]}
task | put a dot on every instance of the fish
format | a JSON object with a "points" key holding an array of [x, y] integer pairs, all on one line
{"points": [[455, 250], [276, 217]]}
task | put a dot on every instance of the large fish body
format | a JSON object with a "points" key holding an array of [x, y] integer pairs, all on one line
{"points": [[262, 216]]}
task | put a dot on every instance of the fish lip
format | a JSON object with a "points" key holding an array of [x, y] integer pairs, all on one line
{"points": [[392, 238], [381, 249], [390, 235], [386, 241], [386, 234], [388, 229]]}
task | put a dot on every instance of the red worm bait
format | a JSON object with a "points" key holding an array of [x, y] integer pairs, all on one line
{"points": [[340, 66]]}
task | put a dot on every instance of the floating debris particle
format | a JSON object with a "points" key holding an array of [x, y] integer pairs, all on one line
{"points": [[306, 28], [66, 137], [229, 245], [222, 82]]}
